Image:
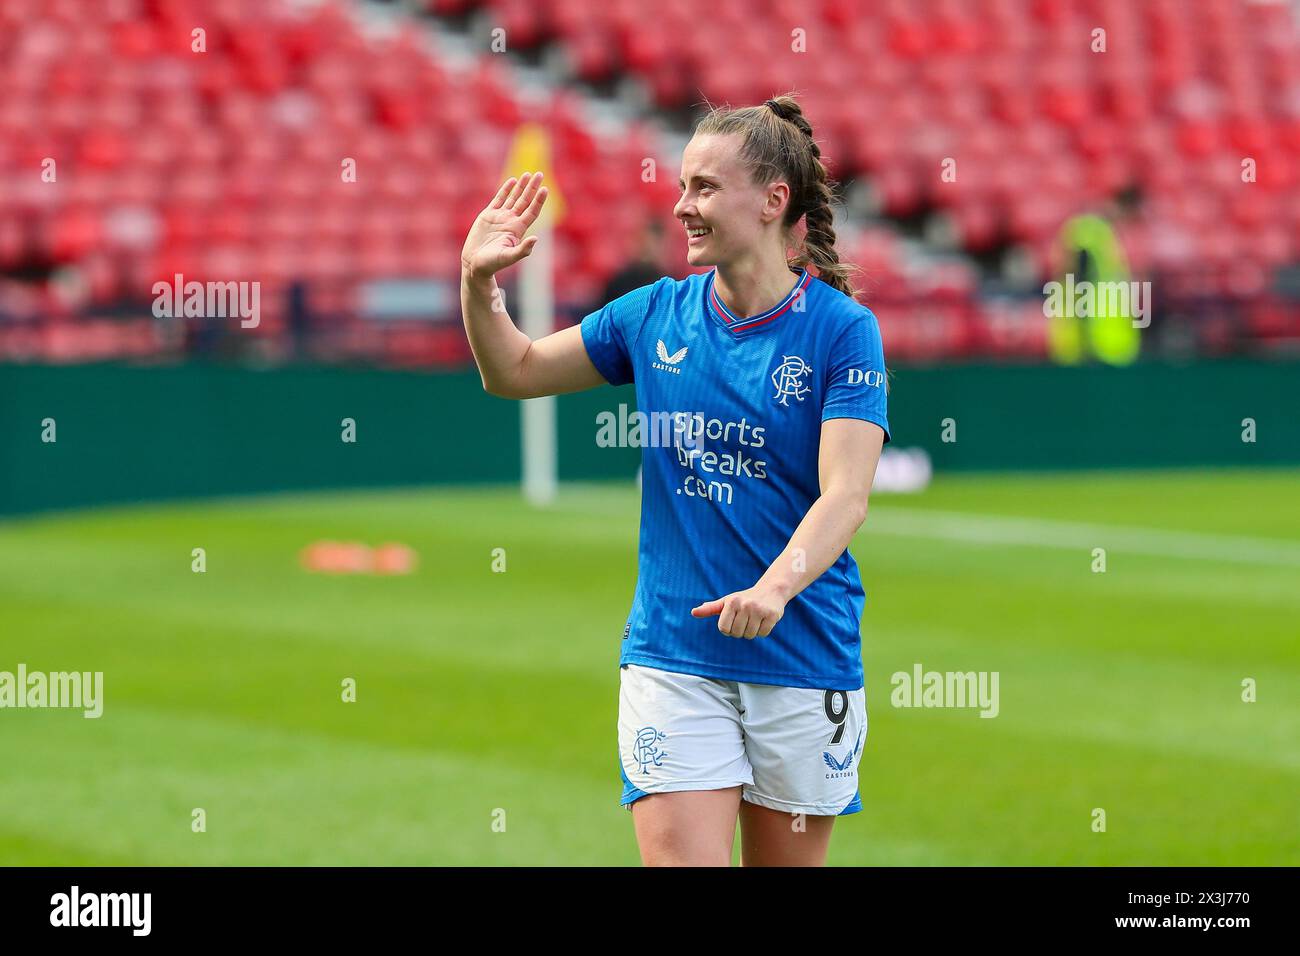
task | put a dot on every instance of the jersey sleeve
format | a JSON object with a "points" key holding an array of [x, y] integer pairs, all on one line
{"points": [[611, 332], [855, 384]]}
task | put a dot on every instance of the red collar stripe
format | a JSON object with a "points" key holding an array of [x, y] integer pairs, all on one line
{"points": [[755, 321]]}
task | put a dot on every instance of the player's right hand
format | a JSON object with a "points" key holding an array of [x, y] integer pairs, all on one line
{"points": [[496, 239]]}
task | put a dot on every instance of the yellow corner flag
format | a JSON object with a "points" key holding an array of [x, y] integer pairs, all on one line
{"points": [[530, 152]]}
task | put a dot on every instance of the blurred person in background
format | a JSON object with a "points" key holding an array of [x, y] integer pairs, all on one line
{"points": [[646, 268], [1091, 251]]}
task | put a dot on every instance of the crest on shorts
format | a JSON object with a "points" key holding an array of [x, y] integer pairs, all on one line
{"points": [[645, 749], [848, 760]]}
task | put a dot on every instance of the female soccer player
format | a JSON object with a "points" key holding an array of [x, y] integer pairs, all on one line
{"points": [[764, 388]]}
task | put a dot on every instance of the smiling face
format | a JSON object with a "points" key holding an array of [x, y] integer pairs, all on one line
{"points": [[720, 196]]}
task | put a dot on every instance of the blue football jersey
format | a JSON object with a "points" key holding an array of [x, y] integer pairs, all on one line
{"points": [[728, 417]]}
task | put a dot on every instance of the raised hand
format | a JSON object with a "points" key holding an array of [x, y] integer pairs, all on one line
{"points": [[496, 239]]}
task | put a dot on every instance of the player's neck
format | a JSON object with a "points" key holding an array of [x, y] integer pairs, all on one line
{"points": [[753, 288]]}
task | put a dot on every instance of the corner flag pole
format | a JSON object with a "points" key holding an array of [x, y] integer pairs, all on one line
{"points": [[531, 152], [537, 424]]}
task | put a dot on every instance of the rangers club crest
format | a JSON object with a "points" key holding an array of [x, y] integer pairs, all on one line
{"points": [[645, 749], [789, 379]]}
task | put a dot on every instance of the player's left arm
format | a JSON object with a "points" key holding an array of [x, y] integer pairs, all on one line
{"points": [[847, 458]]}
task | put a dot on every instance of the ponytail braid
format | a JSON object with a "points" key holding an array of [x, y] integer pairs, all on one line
{"points": [[779, 144]]}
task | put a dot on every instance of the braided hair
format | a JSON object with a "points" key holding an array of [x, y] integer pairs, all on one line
{"points": [[777, 143]]}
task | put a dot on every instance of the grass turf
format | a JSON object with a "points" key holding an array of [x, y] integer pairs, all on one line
{"points": [[486, 697]]}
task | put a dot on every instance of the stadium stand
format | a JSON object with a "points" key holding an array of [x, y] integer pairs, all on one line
{"points": [[226, 161]]}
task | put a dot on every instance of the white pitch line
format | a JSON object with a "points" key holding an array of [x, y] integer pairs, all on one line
{"points": [[975, 528]]}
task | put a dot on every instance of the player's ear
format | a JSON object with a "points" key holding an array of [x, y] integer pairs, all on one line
{"points": [[778, 198]]}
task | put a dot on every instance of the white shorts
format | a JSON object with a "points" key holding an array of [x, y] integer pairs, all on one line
{"points": [[794, 749]]}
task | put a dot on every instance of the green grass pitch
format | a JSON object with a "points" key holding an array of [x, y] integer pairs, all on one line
{"points": [[482, 692]]}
